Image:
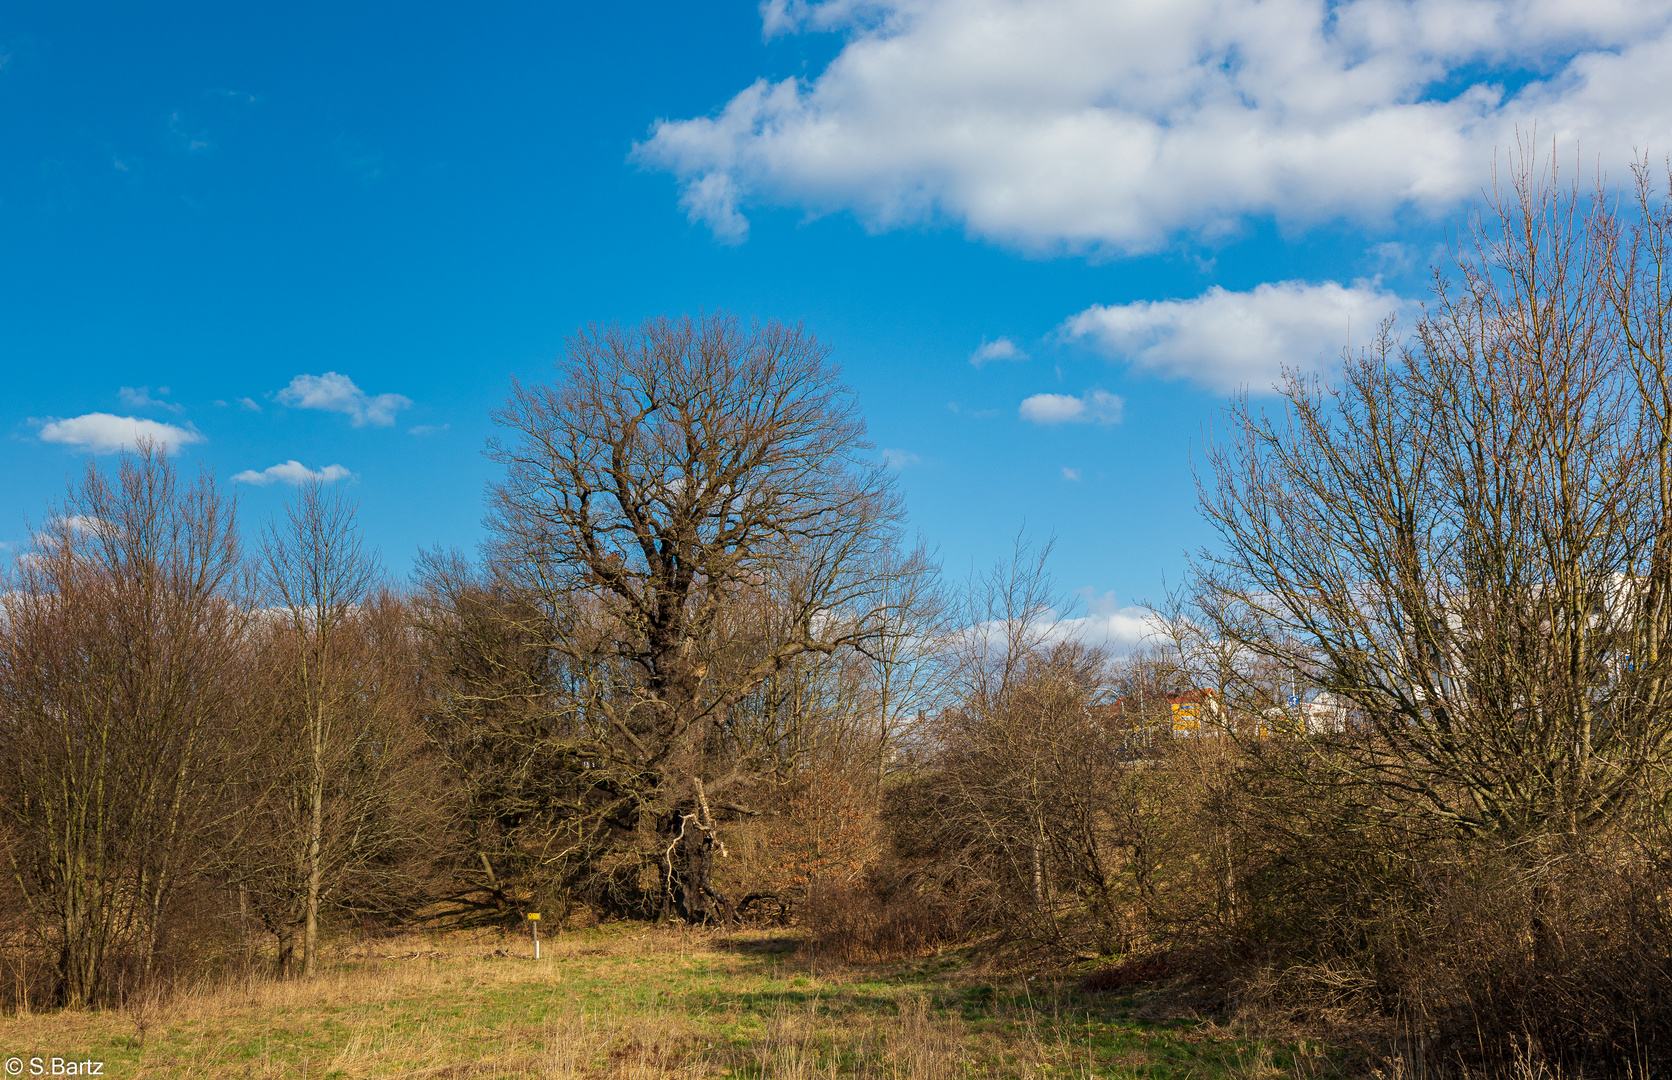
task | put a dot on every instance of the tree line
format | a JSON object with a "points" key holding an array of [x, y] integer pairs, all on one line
{"points": [[694, 584], [698, 672]]}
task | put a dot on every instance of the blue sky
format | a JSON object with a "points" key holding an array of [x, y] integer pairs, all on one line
{"points": [[1045, 238]]}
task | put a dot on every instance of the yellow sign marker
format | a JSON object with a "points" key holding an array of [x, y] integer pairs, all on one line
{"points": [[534, 915]]}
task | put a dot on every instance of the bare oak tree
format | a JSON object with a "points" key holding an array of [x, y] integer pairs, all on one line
{"points": [[670, 474]]}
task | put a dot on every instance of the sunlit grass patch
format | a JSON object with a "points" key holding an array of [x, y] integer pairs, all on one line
{"points": [[619, 1003]]}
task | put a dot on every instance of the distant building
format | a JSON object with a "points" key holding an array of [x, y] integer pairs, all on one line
{"points": [[1200, 713], [1325, 714], [1190, 712], [1196, 712]]}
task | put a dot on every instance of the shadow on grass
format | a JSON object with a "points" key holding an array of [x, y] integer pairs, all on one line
{"points": [[775, 945]]}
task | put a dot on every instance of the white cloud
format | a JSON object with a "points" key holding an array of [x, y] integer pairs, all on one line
{"points": [[85, 524], [140, 398], [1096, 407], [1392, 255], [103, 433], [1226, 340], [250, 404], [1071, 475], [1002, 349], [428, 429], [61, 527], [1088, 125], [1106, 623], [293, 472], [899, 459], [788, 16], [337, 393], [712, 200]]}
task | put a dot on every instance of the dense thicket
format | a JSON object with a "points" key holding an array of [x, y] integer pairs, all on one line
{"points": [[120, 669], [198, 748]]}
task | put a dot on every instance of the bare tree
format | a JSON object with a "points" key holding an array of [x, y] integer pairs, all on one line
{"points": [[906, 671], [672, 472], [1468, 539], [316, 575], [356, 815], [848, 710], [493, 674], [1022, 721], [118, 672], [1024, 805]]}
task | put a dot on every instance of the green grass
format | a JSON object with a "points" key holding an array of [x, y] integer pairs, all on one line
{"points": [[634, 1003]]}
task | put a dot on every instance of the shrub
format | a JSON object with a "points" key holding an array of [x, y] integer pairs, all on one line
{"points": [[879, 918]]}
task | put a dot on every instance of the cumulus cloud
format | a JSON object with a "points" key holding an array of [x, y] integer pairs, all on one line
{"points": [[293, 472], [1226, 340], [788, 16], [1096, 407], [332, 392], [104, 433], [1086, 125], [63, 528], [1002, 349], [1105, 623], [85, 524], [1121, 629], [140, 398], [250, 404], [711, 199]]}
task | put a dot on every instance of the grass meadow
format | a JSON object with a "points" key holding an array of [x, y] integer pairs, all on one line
{"points": [[630, 1002]]}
